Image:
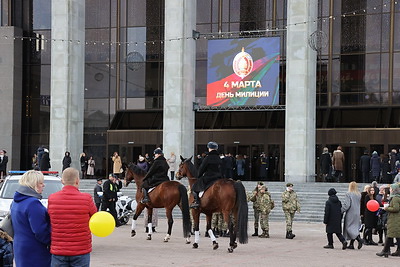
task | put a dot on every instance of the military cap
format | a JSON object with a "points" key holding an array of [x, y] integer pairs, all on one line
{"points": [[260, 183], [289, 184]]}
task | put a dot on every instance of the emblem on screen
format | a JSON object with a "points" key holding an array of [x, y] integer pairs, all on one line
{"points": [[242, 64]]}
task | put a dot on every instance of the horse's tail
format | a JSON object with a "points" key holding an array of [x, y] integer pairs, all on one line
{"points": [[242, 219], [187, 223]]}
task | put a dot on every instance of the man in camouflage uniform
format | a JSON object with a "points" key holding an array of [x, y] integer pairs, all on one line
{"points": [[218, 224], [256, 209], [290, 205], [264, 204]]}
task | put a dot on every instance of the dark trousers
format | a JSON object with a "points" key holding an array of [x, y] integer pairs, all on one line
{"points": [[110, 205], [338, 175], [330, 238], [365, 176], [98, 205], [172, 175]]}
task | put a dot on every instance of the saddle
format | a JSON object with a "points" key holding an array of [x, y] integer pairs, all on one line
{"points": [[208, 186]]}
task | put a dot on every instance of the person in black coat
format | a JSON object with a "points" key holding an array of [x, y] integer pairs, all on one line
{"points": [[326, 165], [45, 161], [209, 172], [3, 163], [333, 219], [365, 166], [370, 218], [157, 174], [66, 161], [110, 196]]}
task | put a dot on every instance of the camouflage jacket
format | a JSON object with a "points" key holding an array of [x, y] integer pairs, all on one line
{"points": [[262, 202], [290, 202]]}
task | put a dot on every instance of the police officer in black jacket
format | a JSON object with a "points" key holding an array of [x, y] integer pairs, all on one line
{"points": [[157, 174], [110, 196], [209, 171]]}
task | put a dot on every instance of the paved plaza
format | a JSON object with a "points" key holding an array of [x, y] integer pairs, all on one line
{"points": [[119, 249]]}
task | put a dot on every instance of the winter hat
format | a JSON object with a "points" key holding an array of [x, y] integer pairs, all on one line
{"points": [[158, 151], [212, 145], [332, 192]]}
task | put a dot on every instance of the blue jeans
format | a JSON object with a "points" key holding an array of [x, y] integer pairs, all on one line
{"points": [[70, 261]]}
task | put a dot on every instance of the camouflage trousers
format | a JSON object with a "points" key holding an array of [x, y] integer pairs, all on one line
{"points": [[264, 221], [218, 222], [289, 220], [256, 218]]}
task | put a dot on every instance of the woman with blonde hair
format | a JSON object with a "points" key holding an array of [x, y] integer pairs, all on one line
{"points": [[351, 206], [31, 222]]}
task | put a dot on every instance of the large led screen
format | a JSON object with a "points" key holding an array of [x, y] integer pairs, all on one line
{"points": [[243, 72]]}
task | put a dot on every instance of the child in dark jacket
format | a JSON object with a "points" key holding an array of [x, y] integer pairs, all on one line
{"points": [[6, 250], [333, 219]]}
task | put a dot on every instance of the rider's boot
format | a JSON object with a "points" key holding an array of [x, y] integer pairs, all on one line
{"points": [[196, 202], [145, 197]]}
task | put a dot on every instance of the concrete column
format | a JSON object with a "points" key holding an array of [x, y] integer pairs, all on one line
{"points": [[11, 94], [300, 92], [179, 78], [67, 81]]}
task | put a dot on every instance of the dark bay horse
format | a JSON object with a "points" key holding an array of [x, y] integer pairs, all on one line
{"points": [[166, 195], [226, 196]]}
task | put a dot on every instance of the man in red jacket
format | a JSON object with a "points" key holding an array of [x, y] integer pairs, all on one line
{"points": [[70, 211]]}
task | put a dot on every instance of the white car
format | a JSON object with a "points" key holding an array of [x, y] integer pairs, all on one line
{"points": [[52, 184]]}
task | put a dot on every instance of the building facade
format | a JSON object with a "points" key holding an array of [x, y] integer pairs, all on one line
{"points": [[357, 70]]}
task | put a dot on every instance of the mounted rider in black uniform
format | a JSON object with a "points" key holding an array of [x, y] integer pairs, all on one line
{"points": [[209, 171], [156, 175]]}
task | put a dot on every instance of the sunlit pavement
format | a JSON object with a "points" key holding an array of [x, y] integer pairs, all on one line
{"points": [[120, 249]]}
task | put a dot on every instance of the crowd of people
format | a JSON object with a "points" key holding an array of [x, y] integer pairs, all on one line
{"points": [[40, 239], [360, 217], [241, 167], [377, 167]]}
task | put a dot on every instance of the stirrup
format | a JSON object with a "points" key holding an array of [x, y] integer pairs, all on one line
{"points": [[194, 205], [144, 201]]}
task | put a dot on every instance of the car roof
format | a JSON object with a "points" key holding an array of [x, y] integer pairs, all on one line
{"points": [[16, 175]]}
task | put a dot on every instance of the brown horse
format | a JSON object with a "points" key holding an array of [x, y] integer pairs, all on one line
{"points": [[226, 196], [166, 195]]}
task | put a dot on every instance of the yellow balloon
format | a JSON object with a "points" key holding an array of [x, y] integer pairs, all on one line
{"points": [[102, 224]]}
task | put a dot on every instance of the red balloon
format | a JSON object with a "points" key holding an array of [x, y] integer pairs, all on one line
{"points": [[372, 205]]}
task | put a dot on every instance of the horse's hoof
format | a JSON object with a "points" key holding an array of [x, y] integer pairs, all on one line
{"points": [[215, 245], [230, 249], [148, 237], [188, 241], [195, 245], [133, 233]]}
